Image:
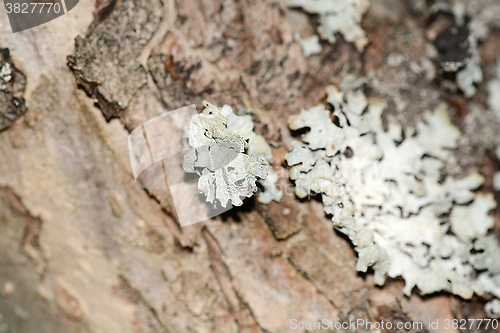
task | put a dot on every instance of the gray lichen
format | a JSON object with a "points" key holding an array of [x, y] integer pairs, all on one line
{"points": [[493, 308], [335, 16], [388, 193], [494, 92], [310, 45], [471, 73], [5, 76], [229, 157], [257, 146], [485, 16]]}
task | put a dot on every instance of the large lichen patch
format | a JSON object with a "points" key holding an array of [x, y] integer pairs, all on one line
{"points": [[388, 192]]}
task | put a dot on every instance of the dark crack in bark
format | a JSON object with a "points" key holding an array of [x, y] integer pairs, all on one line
{"points": [[239, 309], [147, 311]]}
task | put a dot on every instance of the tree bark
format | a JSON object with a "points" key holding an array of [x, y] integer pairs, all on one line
{"points": [[84, 249]]}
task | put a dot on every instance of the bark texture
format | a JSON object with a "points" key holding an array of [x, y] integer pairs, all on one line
{"points": [[84, 249]]}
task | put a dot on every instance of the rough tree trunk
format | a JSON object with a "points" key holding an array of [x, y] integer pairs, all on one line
{"points": [[84, 249]]}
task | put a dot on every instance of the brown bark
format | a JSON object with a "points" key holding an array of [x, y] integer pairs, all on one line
{"points": [[87, 250]]}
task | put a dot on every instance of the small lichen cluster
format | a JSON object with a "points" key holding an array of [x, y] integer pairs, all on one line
{"points": [[386, 190], [494, 92], [229, 157], [471, 73], [335, 16], [5, 75]]}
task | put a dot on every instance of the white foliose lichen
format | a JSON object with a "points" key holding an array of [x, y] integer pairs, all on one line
{"points": [[229, 157], [336, 16], [494, 92], [492, 308], [310, 45], [485, 16], [5, 75], [471, 74], [387, 191]]}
